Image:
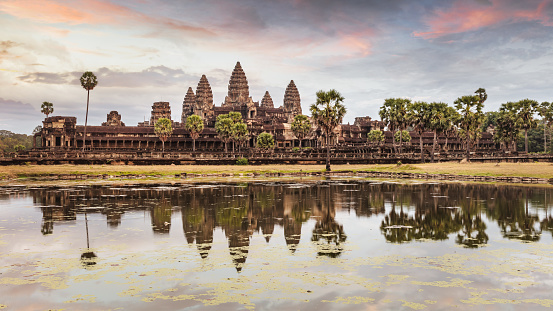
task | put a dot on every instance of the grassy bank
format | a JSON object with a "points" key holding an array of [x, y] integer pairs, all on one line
{"points": [[540, 170]]}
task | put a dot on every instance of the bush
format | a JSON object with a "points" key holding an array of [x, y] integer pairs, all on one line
{"points": [[242, 161], [296, 149]]}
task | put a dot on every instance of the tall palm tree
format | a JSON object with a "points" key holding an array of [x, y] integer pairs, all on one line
{"points": [[438, 121], [546, 112], [195, 125], [47, 108], [394, 114], [301, 127], [328, 113], [525, 117], [471, 119], [418, 114], [88, 82], [507, 127], [163, 129]]}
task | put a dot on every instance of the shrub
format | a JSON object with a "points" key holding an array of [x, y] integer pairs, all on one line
{"points": [[242, 161], [296, 149]]}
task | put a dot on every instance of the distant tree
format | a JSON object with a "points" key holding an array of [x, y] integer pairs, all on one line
{"points": [[88, 82], [394, 114], [471, 118], [507, 129], [375, 137], [402, 136], [328, 113], [418, 115], [301, 127], [451, 129], [439, 121], [47, 108], [194, 125], [525, 117], [163, 129], [546, 112], [19, 148], [223, 126], [265, 141], [240, 133], [37, 129]]}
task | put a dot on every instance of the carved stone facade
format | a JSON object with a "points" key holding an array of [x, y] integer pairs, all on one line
{"points": [[160, 110], [188, 105], [113, 119], [267, 101], [204, 98], [238, 89], [292, 101]]}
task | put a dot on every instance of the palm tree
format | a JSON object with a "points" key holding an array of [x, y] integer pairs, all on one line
{"points": [[507, 127], [195, 125], [394, 114], [525, 117], [88, 82], [301, 127], [163, 129], [546, 112], [223, 126], [471, 119], [240, 133], [47, 108], [418, 114], [438, 121], [328, 113]]}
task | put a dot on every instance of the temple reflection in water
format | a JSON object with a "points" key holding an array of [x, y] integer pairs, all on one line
{"points": [[405, 212]]}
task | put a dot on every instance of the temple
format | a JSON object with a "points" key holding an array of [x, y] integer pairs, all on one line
{"points": [[63, 134]]}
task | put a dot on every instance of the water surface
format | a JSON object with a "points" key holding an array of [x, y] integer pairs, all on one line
{"points": [[350, 244]]}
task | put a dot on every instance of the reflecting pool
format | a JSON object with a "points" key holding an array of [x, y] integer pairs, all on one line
{"points": [[340, 244]]}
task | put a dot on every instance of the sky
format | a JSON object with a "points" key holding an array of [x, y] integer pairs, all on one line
{"points": [[146, 51]]}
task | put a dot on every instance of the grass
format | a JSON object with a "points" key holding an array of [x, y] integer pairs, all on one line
{"points": [[541, 170]]}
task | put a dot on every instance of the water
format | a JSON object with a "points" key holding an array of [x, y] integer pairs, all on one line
{"points": [[346, 244]]}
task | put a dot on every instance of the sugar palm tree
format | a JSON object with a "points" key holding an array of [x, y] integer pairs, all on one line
{"points": [[418, 114], [195, 125], [394, 114], [438, 122], [88, 82], [525, 117], [163, 129], [546, 112], [47, 108], [471, 119], [328, 113]]}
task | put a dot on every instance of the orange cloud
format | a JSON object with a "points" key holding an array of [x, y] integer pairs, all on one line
{"points": [[92, 12], [466, 16]]}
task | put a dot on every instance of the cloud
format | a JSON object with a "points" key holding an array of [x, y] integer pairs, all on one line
{"points": [[93, 12], [464, 16], [26, 115], [155, 76]]}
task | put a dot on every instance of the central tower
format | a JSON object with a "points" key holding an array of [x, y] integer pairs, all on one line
{"points": [[238, 89]]}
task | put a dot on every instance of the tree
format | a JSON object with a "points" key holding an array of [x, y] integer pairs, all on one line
{"points": [[439, 121], [394, 114], [525, 117], [265, 141], [507, 129], [163, 129], [240, 133], [223, 126], [19, 148], [471, 117], [375, 137], [47, 108], [418, 114], [328, 113], [88, 82], [195, 125], [402, 136], [301, 127], [546, 112]]}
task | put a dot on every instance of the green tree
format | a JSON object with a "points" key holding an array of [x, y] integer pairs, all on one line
{"points": [[265, 141], [546, 112], [194, 125], [439, 121], [19, 148], [328, 113], [418, 115], [163, 129], [525, 117], [402, 136], [506, 130], [240, 133], [47, 108], [301, 127], [88, 82], [375, 137], [223, 126], [394, 114], [471, 118]]}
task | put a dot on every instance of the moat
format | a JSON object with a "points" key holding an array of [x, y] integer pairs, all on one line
{"points": [[311, 244]]}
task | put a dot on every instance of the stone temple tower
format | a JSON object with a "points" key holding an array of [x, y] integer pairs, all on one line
{"points": [[204, 98], [160, 110], [238, 89], [188, 105], [292, 102], [267, 101]]}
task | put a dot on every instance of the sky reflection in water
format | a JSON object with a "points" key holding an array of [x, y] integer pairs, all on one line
{"points": [[329, 244]]}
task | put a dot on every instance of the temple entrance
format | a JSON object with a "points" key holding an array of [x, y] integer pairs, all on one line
{"points": [[58, 141]]}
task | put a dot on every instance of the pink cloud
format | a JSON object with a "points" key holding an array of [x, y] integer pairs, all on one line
{"points": [[91, 12], [465, 16]]}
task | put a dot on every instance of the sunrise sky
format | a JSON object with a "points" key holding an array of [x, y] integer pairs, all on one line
{"points": [[146, 51]]}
